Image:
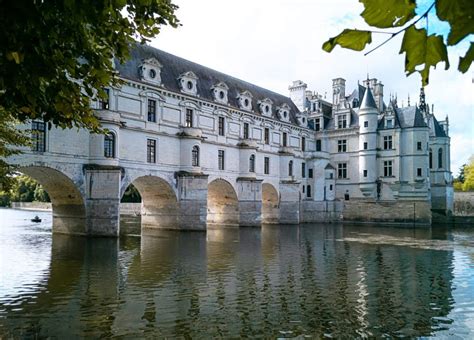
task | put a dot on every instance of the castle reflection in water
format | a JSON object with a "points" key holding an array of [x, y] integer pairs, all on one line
{"points": [[275, 281]]}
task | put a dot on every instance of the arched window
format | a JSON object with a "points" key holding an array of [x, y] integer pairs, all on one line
{"points": [[195, 155], [290, 168], [440, 158], [355, 103], [431, 159], [109, 145], [252, 163]]}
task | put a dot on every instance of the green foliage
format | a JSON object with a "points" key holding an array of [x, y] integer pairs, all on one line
{"points": [[24, 189], [419, 47], [422, 49], [388, 13], [56, 55], [131, 195], [457, 186], [468, 184], [353, 39]]}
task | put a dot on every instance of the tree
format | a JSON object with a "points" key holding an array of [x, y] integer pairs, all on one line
{"points": [[462, 170], [56, 55], [422, 51], [131, 195], [468, 184]]}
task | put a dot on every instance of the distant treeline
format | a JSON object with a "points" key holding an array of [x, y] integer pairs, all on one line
{"points": [[23, 188]]}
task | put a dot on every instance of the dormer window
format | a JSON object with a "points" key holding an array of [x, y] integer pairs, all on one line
{"points": [[302, 120], [219, 91], [245, 100], [265, 107], [188, 82], [150, 71], [389, 123], [284, 112]]}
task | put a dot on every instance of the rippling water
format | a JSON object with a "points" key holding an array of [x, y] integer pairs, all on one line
{"points": [[274, 282]]}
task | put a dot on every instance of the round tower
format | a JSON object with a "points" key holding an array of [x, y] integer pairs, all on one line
{"points": [[368, 121]]}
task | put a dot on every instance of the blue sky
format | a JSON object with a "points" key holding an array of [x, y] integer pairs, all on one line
{"points": [[271, 43]]}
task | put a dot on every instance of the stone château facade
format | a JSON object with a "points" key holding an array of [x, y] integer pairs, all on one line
{"points": [[205, 148]]}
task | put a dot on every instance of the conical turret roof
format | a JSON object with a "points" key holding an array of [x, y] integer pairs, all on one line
{"points": [[368, 101]]}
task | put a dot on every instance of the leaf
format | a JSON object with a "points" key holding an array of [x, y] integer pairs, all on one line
{"points": [[466, 61], [15, 56], [460, 15], [422, 49], [352, 39], [388, 13]]}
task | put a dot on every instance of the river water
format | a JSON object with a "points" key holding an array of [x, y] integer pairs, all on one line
{"points": [[275, 282]]}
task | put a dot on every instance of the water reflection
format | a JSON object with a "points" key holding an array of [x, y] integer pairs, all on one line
{"points": [[277, 281]]}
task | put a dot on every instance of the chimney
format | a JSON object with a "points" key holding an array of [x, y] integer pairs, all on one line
{"points": [[298, 94], [338, 90]]}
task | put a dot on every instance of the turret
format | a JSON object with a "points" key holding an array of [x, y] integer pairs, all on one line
{"points": [[367, 144]]}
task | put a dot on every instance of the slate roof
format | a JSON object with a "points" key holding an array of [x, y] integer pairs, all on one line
{"points": [[174, 66], [405, 117], [368, 100], [438, 130]]}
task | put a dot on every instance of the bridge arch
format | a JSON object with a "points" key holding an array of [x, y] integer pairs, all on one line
{"points": [[160, 207], [69, 213], [222, 204], [270, 204]]}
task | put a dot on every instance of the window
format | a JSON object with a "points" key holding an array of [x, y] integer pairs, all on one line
{"points": [[303, 170], [151, 151], [431, 159], [342, 145], [220, 159], [266, 165], [389, 123], [310, 173], [318, 144], [342, 170], [308, 191], [303, 189], [195, 155], [151, 110], [303, 144], [341, 121], [266, 136], [104, 103], [290, 168], [365, 173], [366, 123], [419, 172], [387, 142], [440, 158], [246, 130], [38, 136], [285, 139], [189, 117], [221, 126], [418, 146], [366, 145], [252, 163], [330, 187], [387, 168], [317, 124], [109, 145]]}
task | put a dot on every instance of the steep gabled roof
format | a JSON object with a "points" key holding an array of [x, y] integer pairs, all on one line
{"points": [[174, 66], [410, 116], [438, 130]]}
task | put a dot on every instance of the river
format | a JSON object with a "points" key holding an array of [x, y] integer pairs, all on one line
{"points": [[273, 282]]}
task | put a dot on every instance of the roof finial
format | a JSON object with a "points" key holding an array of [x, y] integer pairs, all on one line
{"points": [[422, 100], [408, 99]]}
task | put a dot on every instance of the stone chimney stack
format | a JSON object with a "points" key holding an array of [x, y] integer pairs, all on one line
{"points": [[338, 90], [298, 94]]}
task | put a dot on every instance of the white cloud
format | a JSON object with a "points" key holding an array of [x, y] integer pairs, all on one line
{"points": [[271, 43]]}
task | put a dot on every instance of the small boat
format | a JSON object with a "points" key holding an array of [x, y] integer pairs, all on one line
{"points": [[36, 219]]}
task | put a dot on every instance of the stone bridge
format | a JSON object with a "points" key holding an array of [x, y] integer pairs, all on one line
{"points": [[86, 196]]}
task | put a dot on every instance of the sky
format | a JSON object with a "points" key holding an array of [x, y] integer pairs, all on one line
{"points": [[272, 42]]}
